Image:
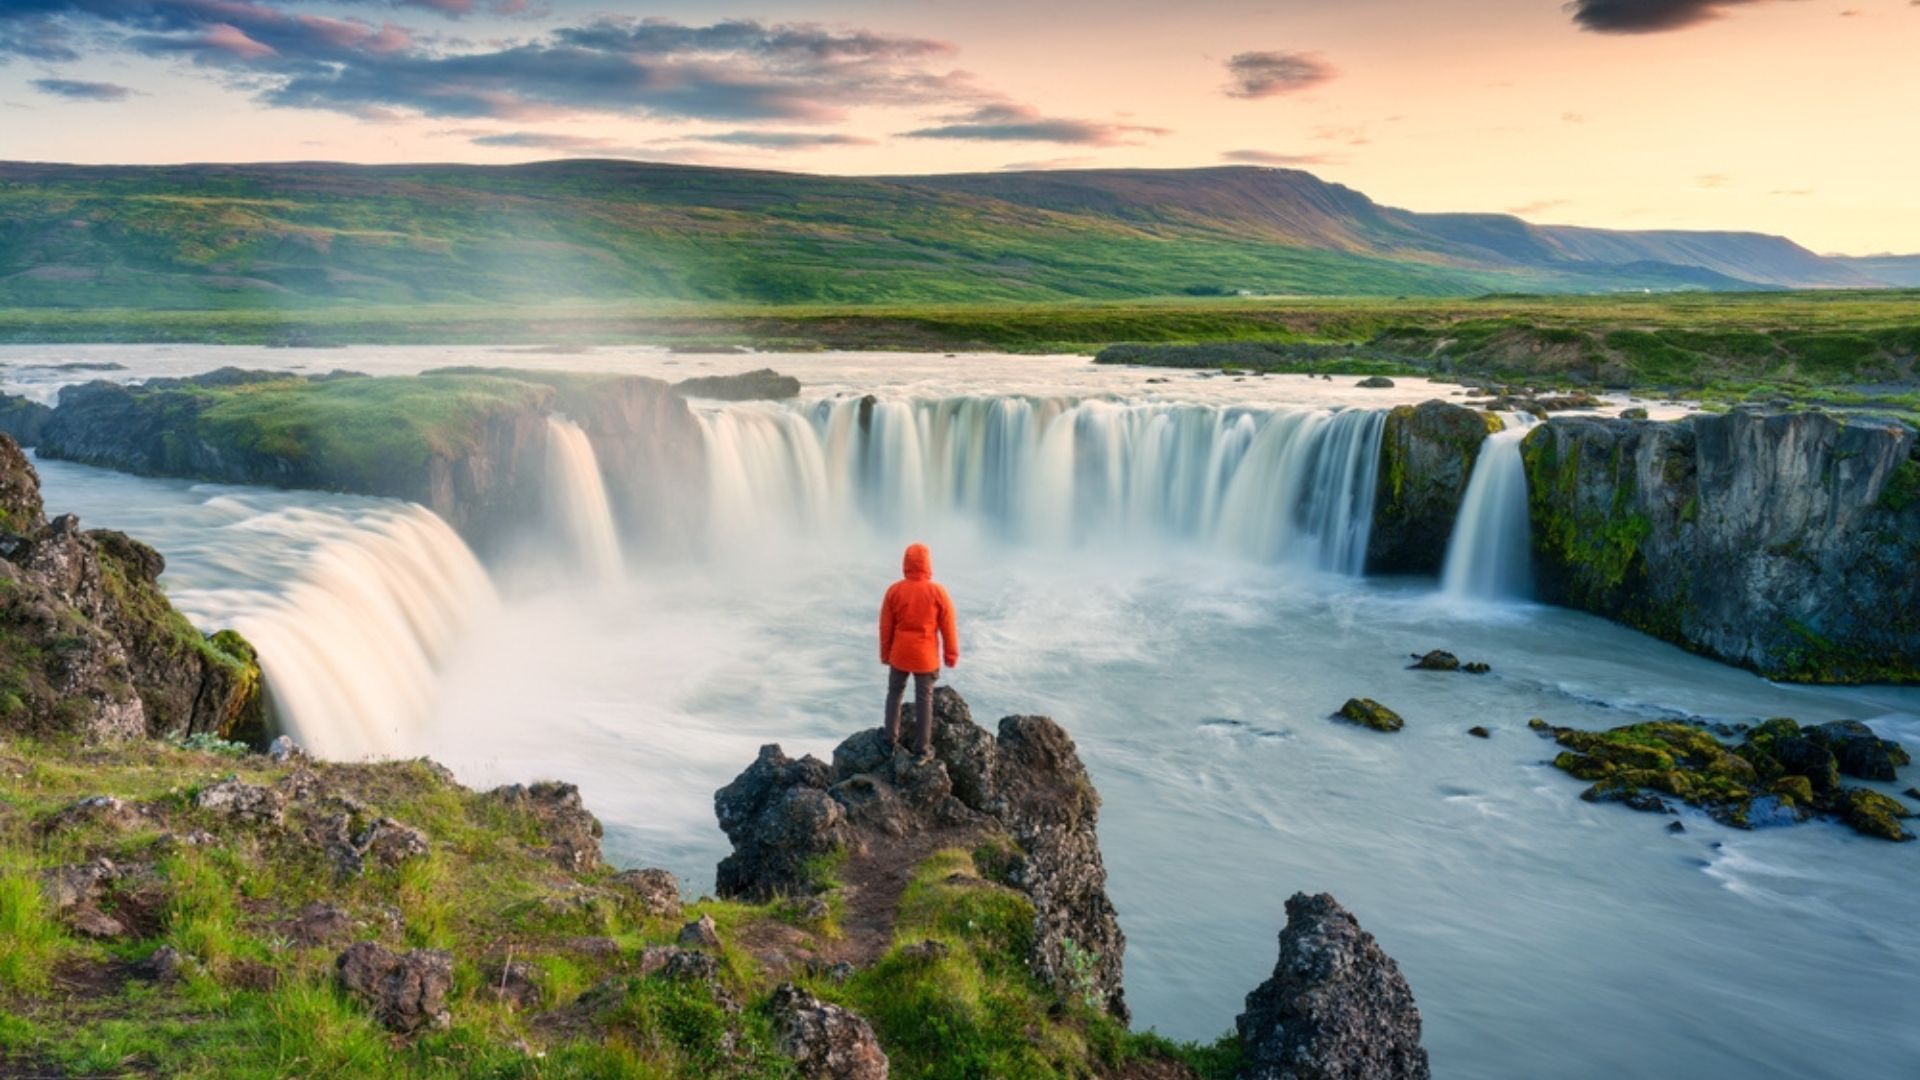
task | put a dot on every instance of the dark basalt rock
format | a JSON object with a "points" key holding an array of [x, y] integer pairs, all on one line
{"points": [[1777, 774], [1784, 542], [1375, 382], [1371, 714], [1427, 453], [1857, 751], [785, 817], [1479, 732], [91, 645], [1336, 1007], [1437, 660], [22, 420]]}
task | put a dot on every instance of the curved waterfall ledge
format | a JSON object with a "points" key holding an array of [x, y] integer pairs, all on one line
{"points": [[1269, 484]]}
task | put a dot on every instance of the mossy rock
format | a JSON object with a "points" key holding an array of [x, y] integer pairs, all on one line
{"points": [[1369, 713], [1874, 814], [1792, 790]]}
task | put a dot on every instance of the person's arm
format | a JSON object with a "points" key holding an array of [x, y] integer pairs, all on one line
{"points": [[886, 627], [949, 629]]}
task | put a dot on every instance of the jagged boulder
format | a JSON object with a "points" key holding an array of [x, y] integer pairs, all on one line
{"points": [[1336, 1007], [1027, 783], [571, 831], [653, 892], [406, 991], [826, 1042], [91, 645], [1857, 751], [23, 420]]}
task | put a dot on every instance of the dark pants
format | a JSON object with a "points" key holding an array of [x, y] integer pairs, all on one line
{"points": [[922, 703]]}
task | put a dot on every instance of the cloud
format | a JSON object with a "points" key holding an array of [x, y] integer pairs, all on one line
{"points": [[1573, 118], [76, 90], [540, 140], [1713, 180], [1268, 157], [1049, 164], [1647, 16], [735, 70], [781, 140], [1532, 208], [1270, 74], [1024, 123]]}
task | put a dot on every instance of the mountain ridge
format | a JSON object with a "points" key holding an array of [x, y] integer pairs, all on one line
{"points": [[237, 235]]}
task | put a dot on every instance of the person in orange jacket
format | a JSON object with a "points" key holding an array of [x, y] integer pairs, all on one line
{"points": [[916, 632]]}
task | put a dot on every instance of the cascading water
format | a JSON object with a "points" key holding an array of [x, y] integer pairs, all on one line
{"points": [[1269, 484], [1488, 558], [350, 653], [577, 498]]}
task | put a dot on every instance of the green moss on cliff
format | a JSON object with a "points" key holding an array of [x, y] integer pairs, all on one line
{"points": [[1598, 549]]}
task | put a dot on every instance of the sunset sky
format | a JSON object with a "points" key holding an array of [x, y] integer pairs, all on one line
{"points": [[1799, 117]]}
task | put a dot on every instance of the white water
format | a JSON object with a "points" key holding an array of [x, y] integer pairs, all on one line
{"points": [[1188, 642], [1267, 484], [354, 604], [577, 500], [1489, 556]]}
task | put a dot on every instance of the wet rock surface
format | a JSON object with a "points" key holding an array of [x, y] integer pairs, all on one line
{"points": [[1335, 1008], [1427, 453], [1369, 713], [764, 384], [784, 817], [1778, 773]]}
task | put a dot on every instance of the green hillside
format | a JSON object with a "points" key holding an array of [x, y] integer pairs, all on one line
{"points": [[276, 237]]}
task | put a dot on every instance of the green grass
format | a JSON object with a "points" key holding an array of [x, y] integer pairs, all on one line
{"points": [[253, 1004]]}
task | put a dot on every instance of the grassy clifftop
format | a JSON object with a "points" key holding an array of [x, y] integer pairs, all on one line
{"points": [[181, 911]]}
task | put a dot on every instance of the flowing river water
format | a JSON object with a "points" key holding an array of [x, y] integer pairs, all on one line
{"points": [[1169, 569]]}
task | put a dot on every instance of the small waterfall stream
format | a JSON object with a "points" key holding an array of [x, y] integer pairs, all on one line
{"points": [[577, 499], [1488, 557]]}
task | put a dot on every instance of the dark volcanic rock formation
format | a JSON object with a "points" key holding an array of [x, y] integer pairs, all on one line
{"points": [[23, 420], [1336, 1008], [1786, 542], [787, 817], [1426, 458], [764, 384], [91, 647]]}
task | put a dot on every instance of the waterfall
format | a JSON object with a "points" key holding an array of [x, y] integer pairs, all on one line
{"points": [[350, 651], [1488, 557], [577, 499], [1271, 484]]}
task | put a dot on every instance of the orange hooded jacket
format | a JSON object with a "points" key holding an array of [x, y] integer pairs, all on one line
{"points": [[914, 612]]}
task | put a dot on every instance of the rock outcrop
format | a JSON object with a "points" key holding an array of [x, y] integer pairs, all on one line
{"points": [[787, 818], [1778, 773], [1336, 1008], [1785, 542], [1427, 453], [470, 444], [825, 1041], [764, 384], [23, 420], [90, 644], [406, 991]]}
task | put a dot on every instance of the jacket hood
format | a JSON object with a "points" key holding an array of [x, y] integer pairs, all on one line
{"points": [[918, 563]]}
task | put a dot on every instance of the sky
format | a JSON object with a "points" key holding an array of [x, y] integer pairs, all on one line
{"points": [[1799, 117]]}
